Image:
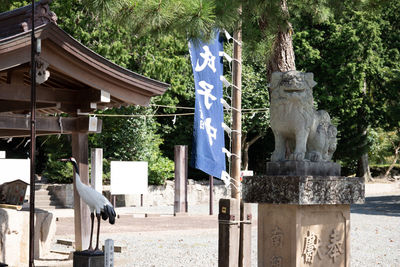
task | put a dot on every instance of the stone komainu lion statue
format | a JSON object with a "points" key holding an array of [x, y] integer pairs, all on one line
{"points": [[301, 132]]}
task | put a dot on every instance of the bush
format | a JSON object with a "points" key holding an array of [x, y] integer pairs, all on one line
{"points": [[58, 172], [160, 171], [380, 170]]}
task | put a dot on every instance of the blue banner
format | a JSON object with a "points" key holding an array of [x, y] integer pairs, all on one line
{"points": [[208, 134]]}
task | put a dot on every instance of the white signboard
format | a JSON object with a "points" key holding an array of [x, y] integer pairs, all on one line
{"points": [[14, 169], [129, 177]]}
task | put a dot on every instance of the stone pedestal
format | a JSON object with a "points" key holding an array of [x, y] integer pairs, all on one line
{"points": [[303, 220], [292, 167], [303, 235], [85, 259]]}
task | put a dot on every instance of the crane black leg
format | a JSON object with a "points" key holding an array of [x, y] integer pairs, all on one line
{"points": [[91, 231], [98, 231]]}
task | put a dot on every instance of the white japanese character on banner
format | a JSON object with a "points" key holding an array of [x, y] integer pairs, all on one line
{"points": [[207, 93], [209, 60], [211, 131], [202, 124]]}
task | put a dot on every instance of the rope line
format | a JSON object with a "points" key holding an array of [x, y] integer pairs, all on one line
{"points": [[161, 115]]}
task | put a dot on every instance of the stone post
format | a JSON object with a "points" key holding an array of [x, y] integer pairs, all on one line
{"points": [[245, 235], [303, 220], [109, 253], [181, 169], [96, 175]]}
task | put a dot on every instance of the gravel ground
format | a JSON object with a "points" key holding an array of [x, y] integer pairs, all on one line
{"points": [[375, 232], [375, 240]]}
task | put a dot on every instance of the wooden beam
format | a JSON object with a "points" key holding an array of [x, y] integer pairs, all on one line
{"points": [[63, 125], [14, 106], [94, 96], [16, 76], [22, 133], [70, 100], [89, 124], [14, 58], [44, 94], [73, 108]]}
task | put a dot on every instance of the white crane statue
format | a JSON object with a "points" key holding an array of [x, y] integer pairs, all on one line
{"points": [[96, 202]]}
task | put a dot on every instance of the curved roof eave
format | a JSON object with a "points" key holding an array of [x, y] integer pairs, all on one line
{"points": [[102, 74]]}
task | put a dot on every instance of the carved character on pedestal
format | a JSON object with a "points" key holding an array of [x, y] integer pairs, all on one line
{"points": [[296, 125]]}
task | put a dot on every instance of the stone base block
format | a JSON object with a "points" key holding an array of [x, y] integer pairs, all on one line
{"points": [[293, 167], [14, 235], [303, 190], [83, 259], [303, 235]]}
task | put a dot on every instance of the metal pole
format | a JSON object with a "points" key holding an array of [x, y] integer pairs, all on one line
{"points": [[211, 194], [237, 113], [33, 143]]}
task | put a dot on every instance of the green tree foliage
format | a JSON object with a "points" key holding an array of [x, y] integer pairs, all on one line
{"points": [[6, 5], [167, 59], [383, 145], [353, 53], [349, 59], [255, 102], [51, 149], [122, 138], [100, 35]]}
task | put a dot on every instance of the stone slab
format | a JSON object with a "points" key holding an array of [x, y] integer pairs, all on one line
{"points": [[304, 190], [299, 235], [293, 167], [14, 235]]}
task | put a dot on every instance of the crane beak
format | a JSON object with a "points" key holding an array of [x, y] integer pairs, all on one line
{"points": [[63, 160]]}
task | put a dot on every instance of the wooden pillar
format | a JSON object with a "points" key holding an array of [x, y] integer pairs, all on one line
{"points": [[80, 152], [96, 175], [181, 170], [228, 233]]}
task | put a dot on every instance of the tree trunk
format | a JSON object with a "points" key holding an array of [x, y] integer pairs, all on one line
{"points": [[282, 58], [245, 159], [396, 157], [363, 168], [245, 147], [362, 164]]}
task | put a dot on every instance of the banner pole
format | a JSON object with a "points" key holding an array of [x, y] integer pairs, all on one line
{"points": [[237, 125], [236, 113], [211, 194]]}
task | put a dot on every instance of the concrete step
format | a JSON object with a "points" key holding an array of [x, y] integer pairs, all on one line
{"points": [[42, 202], [42, 192], [42, 197], [41, 186], [45, 207]]}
